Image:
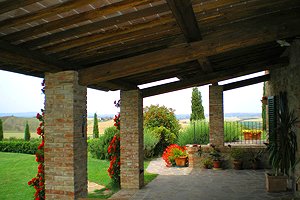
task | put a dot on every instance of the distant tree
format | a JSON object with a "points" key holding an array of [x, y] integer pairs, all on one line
{"points": [[26, 132], [96, 128], [197, 108], [1, 130]]}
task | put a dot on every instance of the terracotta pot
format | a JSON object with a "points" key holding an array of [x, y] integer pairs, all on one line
{"points": [[237, 164], [217, 164], [181, 161], [250, 136]]}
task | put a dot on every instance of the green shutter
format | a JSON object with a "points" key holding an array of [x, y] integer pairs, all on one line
{"points": [[272, 112]]}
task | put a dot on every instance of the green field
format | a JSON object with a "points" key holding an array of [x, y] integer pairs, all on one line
{"points": [[17, 169]]}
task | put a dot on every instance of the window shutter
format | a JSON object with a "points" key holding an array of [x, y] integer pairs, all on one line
{"points": [[272, 112]]}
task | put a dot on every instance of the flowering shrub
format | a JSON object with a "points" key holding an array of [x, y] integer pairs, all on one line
{"points": [[169, 156], [38, 182], [114, 152]]}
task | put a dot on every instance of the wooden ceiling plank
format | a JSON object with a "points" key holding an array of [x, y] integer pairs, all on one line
{"points": [[10, 5], [254, 32], [186, 19], [243, 83], [81, 29], [44, 13], [204, 79], [33, 58], [112, 39], [67, 45], [205, 64]]}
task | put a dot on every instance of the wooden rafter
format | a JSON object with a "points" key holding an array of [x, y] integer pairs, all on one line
{"points": [[246, 82], [81, 29], [186, 19], [205, 64], [204, 79], [8, 5], [12, 54], [254, 32]]}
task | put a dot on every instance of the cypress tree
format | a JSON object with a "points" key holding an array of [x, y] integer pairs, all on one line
{"points": [[1, 130], [96, 129], [26, 132], [197, 108]]}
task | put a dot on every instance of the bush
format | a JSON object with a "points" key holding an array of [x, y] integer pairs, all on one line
{"points": [[19, 146], [186, 136], [156, 116], [150, 142], [98, 146], [166, 137]]}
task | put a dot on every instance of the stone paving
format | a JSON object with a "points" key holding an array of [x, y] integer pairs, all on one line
{"points": [[202, 184]]}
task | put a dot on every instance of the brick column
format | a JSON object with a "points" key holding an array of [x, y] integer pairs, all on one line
{"points": [[132, 141], [65, 137], [216, 115]]}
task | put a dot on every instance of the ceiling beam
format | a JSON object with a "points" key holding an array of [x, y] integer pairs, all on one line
{"points": [[9, 5], [204, 79], [78, 30], [186, 19], [254, 32], [14, 54], [44, 13], [205, 65], [246, 82]]}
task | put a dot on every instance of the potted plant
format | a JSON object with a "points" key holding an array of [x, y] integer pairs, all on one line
{"points": [[216, 156], [252, 134], [282, 149], [180, 157], [255, 157], [264, 100], [168, 154], [237, 155], [207, 163]]}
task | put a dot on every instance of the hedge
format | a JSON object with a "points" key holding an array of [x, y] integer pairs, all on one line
{"points": [[19, 146]]}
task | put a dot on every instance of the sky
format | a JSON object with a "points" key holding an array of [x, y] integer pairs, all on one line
{"points": [[21, 93]]}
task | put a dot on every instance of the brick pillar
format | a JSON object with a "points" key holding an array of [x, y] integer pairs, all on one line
{"points": [[132, 141], [216, 115], [65, 137]]}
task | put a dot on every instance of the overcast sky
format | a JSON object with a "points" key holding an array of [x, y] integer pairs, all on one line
{"points": [[21, 93]]}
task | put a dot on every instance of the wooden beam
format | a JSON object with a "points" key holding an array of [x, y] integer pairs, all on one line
{"points": [[205, 64], [9, 5], [44, 13], [246, 82], [78, 30], [14, 54], [255, 31], [204, 79], [186, 19]]}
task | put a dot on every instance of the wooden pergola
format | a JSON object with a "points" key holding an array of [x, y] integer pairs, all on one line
{"points": [[120, 44]]}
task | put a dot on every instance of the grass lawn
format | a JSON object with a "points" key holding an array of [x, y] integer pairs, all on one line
{"points": [[17, 169]]}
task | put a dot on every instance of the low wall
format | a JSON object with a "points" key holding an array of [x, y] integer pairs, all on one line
{"points": [[197, 152]]}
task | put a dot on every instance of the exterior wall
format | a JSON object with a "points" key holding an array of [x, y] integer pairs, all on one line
{"points": [[216, 115], [288, 79], [132, 140], [65, 137]]}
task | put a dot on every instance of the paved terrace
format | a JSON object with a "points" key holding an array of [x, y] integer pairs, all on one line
{"points": [[201, 184]]}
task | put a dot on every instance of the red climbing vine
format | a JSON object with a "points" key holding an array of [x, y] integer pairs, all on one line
{"points": [[38, 182]]}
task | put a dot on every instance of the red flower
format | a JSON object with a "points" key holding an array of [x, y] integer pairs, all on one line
{"points": [[39, 131]]}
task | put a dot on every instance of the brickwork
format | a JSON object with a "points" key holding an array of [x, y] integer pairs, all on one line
{"points": [[65, 137], [132, 156], [216, 115]]}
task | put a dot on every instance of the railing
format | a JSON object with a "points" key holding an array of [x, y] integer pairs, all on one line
{"points": [[235, 132], [244, 132]]}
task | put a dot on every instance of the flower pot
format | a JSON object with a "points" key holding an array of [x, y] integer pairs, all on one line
{"points": [[264, 101], [217, 163], [251, 136], [237, 164], [276, 183], [181, 161]]}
